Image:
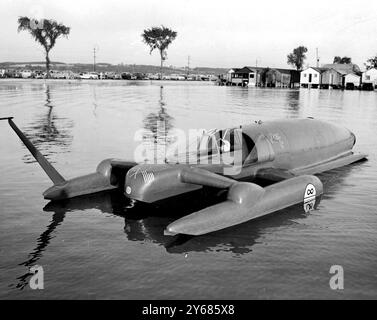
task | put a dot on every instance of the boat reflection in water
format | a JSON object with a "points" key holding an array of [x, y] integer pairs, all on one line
{"points": [[146, 223]]}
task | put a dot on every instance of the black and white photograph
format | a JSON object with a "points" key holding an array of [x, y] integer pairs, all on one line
{"points": [[203, 152]]}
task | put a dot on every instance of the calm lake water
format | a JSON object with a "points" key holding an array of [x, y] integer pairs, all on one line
{"points": [[97, 247]]}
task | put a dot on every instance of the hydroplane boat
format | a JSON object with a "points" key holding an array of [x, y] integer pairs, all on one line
{"points": [[286, 153]]}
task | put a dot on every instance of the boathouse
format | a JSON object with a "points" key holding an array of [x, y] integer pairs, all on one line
{"points": [[280, 78], [332, 78], [369, 79], [351, 81], [247, 76], [230, 75], [311, 77], [295, 78]]}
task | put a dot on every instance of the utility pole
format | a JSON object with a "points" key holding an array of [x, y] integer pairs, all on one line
{"points": [[94, 59], [317, 58]]}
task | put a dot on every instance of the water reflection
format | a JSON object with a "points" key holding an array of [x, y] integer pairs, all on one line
{"points": [[42, 242], [95, 104], [49, 133], [146, 223], [293, 100], [9, 87], [157, 135]]}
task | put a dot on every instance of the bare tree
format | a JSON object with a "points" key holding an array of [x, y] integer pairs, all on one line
{"points": [[297, 57], [159, 38], [45, 32]]}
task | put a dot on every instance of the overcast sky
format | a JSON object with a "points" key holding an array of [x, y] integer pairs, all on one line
{"points": [[214, 33]]}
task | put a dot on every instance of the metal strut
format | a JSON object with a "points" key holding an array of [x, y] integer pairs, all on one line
{"points": [[53, 174]]}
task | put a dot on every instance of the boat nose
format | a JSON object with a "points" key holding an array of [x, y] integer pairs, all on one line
{"points": [[137, 181], [151, 183]]}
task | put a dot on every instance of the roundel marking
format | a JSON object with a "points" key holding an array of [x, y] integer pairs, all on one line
{"points": [[309, 197]]}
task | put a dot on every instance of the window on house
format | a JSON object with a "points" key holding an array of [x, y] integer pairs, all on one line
{"points": [[251, 75], [367, 77], [315, 75]]}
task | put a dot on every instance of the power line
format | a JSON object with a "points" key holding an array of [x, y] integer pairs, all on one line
{"points": [[94, 59]]}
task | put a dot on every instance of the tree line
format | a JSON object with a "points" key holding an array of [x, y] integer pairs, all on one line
{"points": [[47, 31], [297, 58]]}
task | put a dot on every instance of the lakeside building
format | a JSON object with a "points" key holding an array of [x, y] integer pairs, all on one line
{"points": [[230, 75], [351, 81], [332, 76], [246, 76], [281, 78], [369, 79], [261, 77], [311, 77]]}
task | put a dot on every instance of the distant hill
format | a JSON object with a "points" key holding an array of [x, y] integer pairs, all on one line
{"points": [[209, 70], [10, 63], [107, 67]]}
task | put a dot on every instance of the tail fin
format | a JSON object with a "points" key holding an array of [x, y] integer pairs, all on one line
{"points": [[54, 175]]}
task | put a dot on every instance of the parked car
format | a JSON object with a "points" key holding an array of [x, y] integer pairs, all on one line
{"points": [[154, 77], [89, 75], [11, 74], [38, 74], [75, 76], [17, 74], [108, 75], [126, 76], [140, 76], [26, 74], [55, 74], [177, 77]]}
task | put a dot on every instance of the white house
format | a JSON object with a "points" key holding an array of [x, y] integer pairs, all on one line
{"points": [[230, 74], [311, 77], [370, 76], [352, 80]]}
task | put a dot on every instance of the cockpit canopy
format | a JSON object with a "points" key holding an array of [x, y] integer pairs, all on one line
{"points": [[213, 144]]}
